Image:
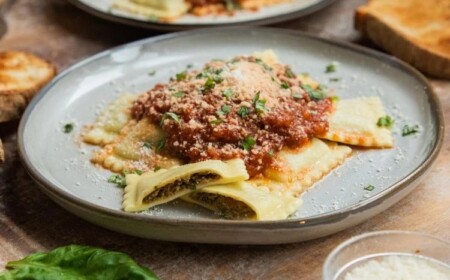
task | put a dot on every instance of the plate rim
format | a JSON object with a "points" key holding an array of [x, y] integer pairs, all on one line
{"points": [[179, 27], [341, 214]]}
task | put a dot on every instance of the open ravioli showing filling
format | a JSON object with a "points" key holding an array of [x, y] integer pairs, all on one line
{"points": [[154, 188], [245, 200]]}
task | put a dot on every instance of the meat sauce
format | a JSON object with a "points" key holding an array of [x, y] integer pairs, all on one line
{"points": [[242, 108]]}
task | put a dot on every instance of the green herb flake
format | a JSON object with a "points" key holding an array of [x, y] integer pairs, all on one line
{"points": [[332, 67], [169, 115], [248, 143], [263, 64], [297, 95], [178, 94], [243, 112], [335, 80], [138, 172], [160, 144], [148, 144], [315, 94], [224, 110], [288, 73], [117, 179], [152, 73], [68, 127], [215, 122], [369, 188], [271, 153], [157, 168], [285, 85], [385, 121], [305, 74], [334, 98], [189, 66], [217, 79], [209, 84], [259, 104], [77, 262], [228, 93], [181, 76], [408, 130]]}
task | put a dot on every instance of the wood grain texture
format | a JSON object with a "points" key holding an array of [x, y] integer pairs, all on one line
{"points": [[30, 222]]}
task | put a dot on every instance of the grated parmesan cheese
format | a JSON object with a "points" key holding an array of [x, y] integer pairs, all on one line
{"points": [[406, 267]]}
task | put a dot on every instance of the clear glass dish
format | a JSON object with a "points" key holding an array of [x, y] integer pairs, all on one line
{"points": [[377, 245]]}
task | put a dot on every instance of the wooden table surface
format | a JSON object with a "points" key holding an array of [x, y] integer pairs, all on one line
{"points": [[30, 222]]}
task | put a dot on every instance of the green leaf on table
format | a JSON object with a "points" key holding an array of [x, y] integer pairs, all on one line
{"points": [[76, 262]]}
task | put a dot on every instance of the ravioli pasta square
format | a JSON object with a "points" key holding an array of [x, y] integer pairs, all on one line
{"points": [[354, 122]]}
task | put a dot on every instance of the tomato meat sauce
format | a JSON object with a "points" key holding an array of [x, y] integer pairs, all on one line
{"points": [[241, 108]]}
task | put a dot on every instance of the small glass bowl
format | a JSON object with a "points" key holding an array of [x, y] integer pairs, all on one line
{"points": [[375, 245]]}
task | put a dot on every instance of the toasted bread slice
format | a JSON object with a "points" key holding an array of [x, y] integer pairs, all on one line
{"points": [[2, 153], [21, 76], [416, 31]]}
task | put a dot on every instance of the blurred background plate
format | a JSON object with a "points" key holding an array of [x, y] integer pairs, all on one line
{"points": [[267, 15], [61, 166]]}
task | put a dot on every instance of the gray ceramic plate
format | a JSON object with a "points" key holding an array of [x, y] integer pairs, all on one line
{"points": [[268, 15], [60, 164]]}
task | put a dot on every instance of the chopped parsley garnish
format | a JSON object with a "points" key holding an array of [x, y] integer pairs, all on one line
{"points": [[224, 110], [68, 127], [385, 121], [335, 79], [334, 98], [157, 168], [170, 115], [315, 94], [148, 144], [332, 67], [181, 76], [369, 188], [189, 66], [260, 104], [285, 85], [178, 94], [408, 130], [248, 143], [228, 93], [263, 64], [243, 112], [117, 179], [215, 122], [288, 73], [160, 144], [209, 84], [152, 73]]}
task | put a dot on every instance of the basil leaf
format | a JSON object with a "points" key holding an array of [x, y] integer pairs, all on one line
{"points": [[285, 85], [76, 262], [408, 130], [160, 144], [178, 94], [224, 110], [243, 112], [181, 76], [170, 115], [314, 94], [228, 93]]}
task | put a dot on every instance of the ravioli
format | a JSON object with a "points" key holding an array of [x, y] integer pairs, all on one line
{"points": [[165, 10], [354, 122], [154, 188], [244, 200], [110, 121], [136, 148], [298, 170]]}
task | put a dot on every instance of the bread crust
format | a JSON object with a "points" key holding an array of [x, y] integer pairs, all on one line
{"points": [[417, 42], [22, 75]]}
